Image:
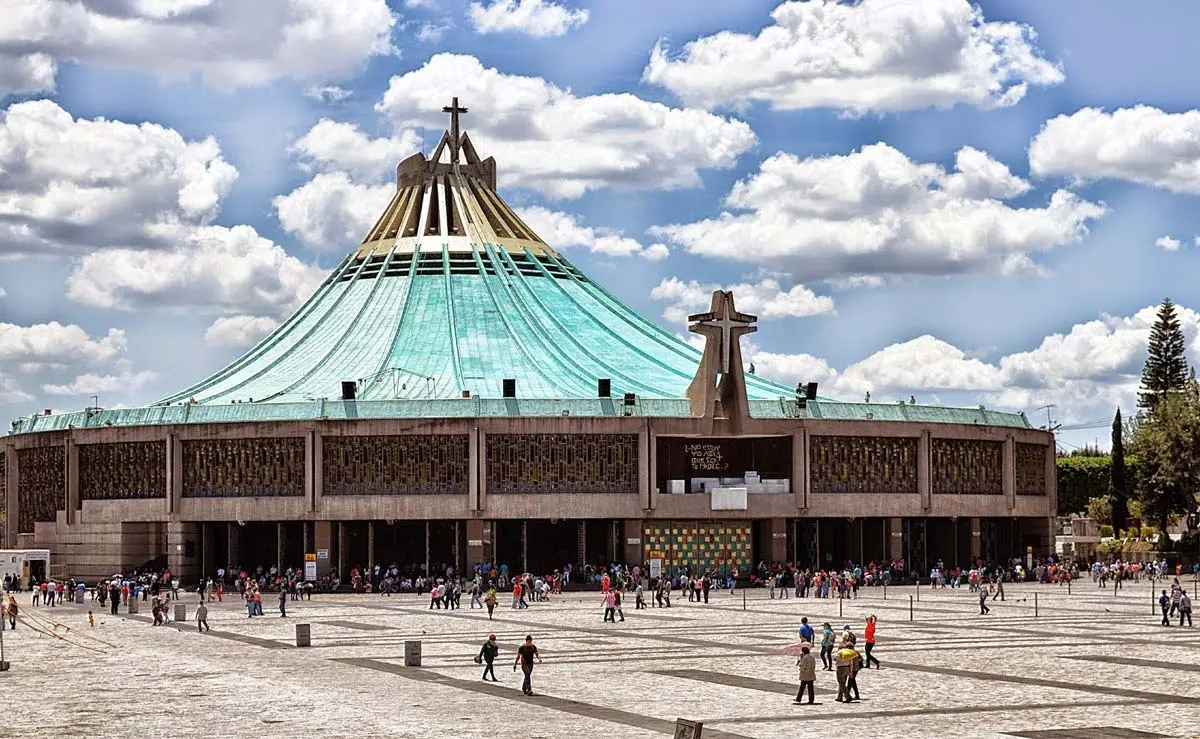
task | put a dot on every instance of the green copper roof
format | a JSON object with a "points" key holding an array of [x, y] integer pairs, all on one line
{"points": [[450, 294]]}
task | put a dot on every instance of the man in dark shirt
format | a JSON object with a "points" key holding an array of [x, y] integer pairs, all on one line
{"points": [[526, 654], [487, 654]]}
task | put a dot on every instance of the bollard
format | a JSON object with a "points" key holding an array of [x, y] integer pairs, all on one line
{"points": [[1068, 587], [688, 729], [133, 606], [885, 591], [303, 635], [412, 654], [910, 608], [1035, 606], [743, 599], [919, 590], [180, 613]]}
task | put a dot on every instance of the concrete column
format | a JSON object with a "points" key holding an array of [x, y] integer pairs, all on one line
{"points": [[8, 488], [1008, 472], [581, 543], [427, 537], [976, 540], [474, 499], [480, 470], [233, 548], [73, 502], [616, 548], [799, 469], [777, 528], [208, 551], [1051, 483], [341, 552], [476, 539], [312, 470], [306, 538], [645, 481], [179, 537], [652, 473], [174, 474], [895, 527], [634, 551], [924, 478], [371, 547], [323, 542], [524, 546], [458, 565], [280, 546]]}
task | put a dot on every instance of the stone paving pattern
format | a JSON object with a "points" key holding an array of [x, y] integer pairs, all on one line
{"points": [[1089, 664]]}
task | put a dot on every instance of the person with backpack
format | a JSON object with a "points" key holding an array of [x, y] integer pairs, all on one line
{"points": [[487, 655]]}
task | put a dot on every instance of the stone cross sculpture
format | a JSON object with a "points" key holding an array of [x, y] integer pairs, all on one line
{"points": [[454, 110], [720, 376]]}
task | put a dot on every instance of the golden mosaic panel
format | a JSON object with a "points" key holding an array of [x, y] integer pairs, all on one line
{"points": [[243, 468], [862, 464], [967, 467], [41, 485], [1031, 469], [396, 465], [132, 469], [562, 463], [699, 545]]}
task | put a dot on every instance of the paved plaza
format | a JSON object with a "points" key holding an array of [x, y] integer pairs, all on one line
{"points": [[1089, 664]]}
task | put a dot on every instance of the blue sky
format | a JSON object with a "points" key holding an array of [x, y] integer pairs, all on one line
{"points": [[918, 200]]}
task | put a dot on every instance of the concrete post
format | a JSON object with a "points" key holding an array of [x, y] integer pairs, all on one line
{"points": [[233, 548], [312, 470], [473, 467], [924, 478], [323, 542], [799, 469], [458, 565], [976, 540], [1008, 472], [371, 548], [174, 473], [280, 546], [341, 552], [524, 546], [634, 551], [475, 541], [580, 543], [896, 538], [427, 537], [73, 502], [646, 482]]}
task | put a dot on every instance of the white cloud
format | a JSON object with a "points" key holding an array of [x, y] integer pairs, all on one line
{"points": [[563, 230], [53, 343], [95, 384], [1141, 144], [330, 146], [227, 43], [1170, 243], [765, 299], [538, 18], [547, 139], [10, 392], [239, 331], [875, 212], [72, 185], [328, 94], [873, 55], [330, 211], [217, 270], [1086, 371], [2, 292]]}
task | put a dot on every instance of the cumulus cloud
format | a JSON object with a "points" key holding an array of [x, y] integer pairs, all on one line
{"points": [[227, 43], [218, 270], [57, 344], [331, 211], [328, 94], [538, 18], [1086, 371], [875, 213], [96, 384], [873, 55], [72, 185], [11, 392], [1141, 144], [239, 331], [331, 146], [766, 299], [563, 230], [562, 145], [1170, 243]]}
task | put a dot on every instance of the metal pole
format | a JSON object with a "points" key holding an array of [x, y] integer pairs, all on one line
{"points": [[1035, 605], [910, 608], [1068, 586], [919, 588], [743, 599], [885, 591]]}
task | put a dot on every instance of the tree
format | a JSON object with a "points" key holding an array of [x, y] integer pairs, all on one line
{"points": [[1118, 492], [1100, 511], [1166, 369], [1167, 442]]}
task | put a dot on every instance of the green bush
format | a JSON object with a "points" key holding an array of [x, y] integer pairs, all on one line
{"points": [[1106, 530], [1148, 532], [1083, 478]]}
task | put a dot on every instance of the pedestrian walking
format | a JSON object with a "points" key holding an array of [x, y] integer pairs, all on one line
{"points": [[282, 603], [808, 674], [489, 600], [983, 606], [487, 655], [526, 654], [869, 640], [1164, 603], [827, 646], [202, 618], [1185, 608]]}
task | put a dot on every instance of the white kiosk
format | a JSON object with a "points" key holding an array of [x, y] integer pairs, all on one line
{"points": [[26, 564]]}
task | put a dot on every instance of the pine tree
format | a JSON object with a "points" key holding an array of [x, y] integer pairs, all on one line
{"points": [[1166, 369], [1118, 492]]}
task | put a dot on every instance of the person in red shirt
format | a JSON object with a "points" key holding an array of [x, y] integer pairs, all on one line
{"points": [[870, 642]]}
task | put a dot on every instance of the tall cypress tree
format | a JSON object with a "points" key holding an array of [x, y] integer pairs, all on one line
{"points": [[1166, 369], [1118, 493]]}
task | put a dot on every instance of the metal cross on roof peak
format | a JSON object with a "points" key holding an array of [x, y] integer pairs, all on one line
{"points": [[454, 110], [726, 320]]}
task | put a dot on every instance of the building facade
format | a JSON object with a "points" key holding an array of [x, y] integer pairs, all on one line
{"points": [[458, 392]]}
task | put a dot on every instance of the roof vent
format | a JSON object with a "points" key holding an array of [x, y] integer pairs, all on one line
{"points": [[349, 390], [604, 387], [510, 388]]}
